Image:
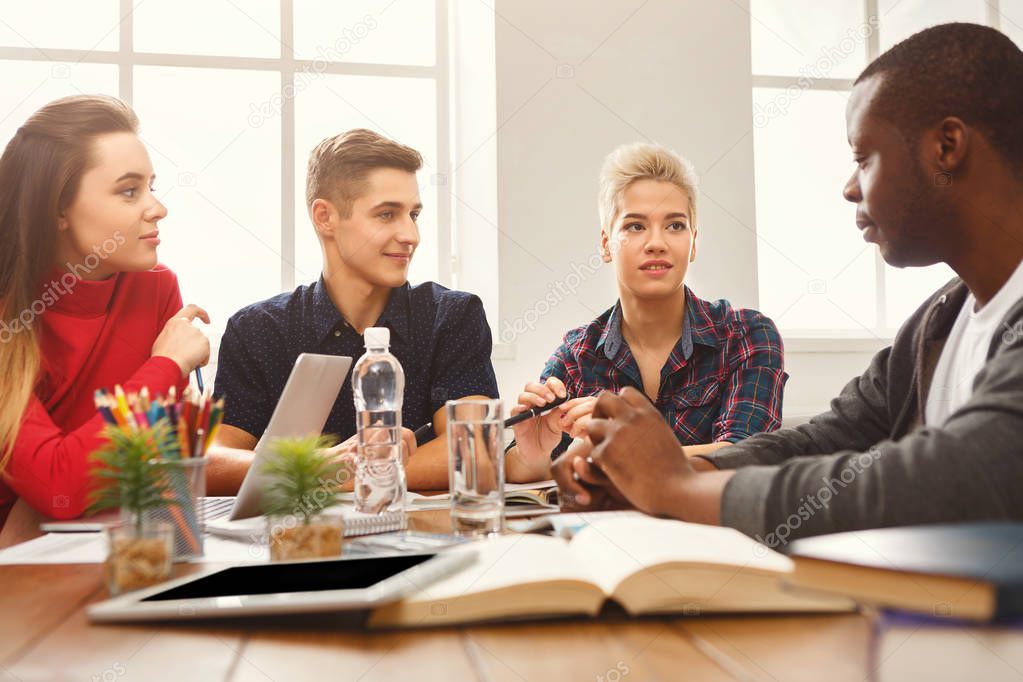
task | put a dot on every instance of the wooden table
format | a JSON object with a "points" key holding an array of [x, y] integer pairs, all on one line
{"points": [[44, 635]]}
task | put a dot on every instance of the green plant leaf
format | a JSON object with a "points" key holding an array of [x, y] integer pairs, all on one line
{"points": [[302, 478], [131, 470]]}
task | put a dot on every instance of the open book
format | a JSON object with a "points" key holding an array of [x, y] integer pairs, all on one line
{"points": [[646, 565]]}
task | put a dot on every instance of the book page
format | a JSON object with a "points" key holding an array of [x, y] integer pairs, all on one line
{"points": [[505, 561], [612, 549], [515, 576]]}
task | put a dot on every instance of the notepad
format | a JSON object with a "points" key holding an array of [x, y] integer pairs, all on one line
{"points": [[355, 523], [527, 497]]}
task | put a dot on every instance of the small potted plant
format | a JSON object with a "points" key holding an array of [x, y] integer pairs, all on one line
{"points": [[304, 480], [131, 472]]}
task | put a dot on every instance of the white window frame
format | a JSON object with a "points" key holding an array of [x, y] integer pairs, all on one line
{"points": [[838, 341], [126, 58]]}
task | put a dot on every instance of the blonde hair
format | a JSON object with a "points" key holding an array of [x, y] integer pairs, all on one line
{"points": [[40, 172], [339, 165], [632, 162]]}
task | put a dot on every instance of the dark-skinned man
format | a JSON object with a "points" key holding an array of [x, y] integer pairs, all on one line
{"points": [[932, 431]]}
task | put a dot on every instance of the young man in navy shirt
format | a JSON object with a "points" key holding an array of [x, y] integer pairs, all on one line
{"points": [[363, 200]]}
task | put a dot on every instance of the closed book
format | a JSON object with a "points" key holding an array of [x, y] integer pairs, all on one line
{"points": [[972, 571], [907, 646]]}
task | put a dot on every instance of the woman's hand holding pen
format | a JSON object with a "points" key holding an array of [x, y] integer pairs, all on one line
{"points": [[183, 342], [536, 437], [576, 414]]}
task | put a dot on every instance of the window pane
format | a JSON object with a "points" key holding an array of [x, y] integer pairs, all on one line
{"points": [[902, 18], [30, 85], [1011, 19], [906, 289], [220, 180], [815, 271], [808, 38], [209, 27], [65, 24], [366, 31], [403, 109]]}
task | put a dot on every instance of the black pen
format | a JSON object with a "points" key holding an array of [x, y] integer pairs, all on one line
{"points": [[424, 434], [533, 412]]}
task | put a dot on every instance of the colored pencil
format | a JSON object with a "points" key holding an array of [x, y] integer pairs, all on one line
{"points": [[122, 405], [104, 410], [194, 420]]}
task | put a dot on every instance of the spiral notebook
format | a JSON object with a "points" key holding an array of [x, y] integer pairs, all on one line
{"points": [[355, 523]]}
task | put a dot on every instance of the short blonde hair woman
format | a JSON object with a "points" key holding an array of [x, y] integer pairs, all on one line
{"points": [[713, 371]]}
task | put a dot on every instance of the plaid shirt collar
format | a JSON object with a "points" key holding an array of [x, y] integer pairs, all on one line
{"points": [[697, 327]]}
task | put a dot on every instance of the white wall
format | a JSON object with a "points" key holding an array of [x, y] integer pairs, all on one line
{"points": [[574, 80]]}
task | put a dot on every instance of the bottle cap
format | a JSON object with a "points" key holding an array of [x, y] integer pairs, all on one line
{"points": [[375, 337]]}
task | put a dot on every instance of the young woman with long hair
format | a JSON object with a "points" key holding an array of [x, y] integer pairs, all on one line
{"points": [[84, 303]]}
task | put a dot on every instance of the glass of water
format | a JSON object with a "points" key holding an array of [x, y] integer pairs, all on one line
{"points": [[476, 466]]}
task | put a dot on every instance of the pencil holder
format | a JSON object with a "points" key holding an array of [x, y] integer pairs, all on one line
{"points": [[185, 483]]}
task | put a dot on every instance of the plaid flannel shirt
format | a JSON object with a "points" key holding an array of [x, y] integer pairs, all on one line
{"points": [[722, 381]]}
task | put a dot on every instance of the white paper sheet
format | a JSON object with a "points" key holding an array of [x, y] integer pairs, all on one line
{"points": [[91, 548]]}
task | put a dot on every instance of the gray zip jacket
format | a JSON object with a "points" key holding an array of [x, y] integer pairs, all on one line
{"points": [[870, 462]]}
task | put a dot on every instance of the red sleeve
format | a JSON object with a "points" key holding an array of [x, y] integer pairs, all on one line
{"points": [[50, 468], [171, 303]]}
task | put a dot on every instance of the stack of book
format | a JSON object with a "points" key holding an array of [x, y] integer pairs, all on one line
{"points": [[946, 600]]}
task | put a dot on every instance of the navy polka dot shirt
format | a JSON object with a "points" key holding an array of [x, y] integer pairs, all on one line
{"points": [[440, 337]]}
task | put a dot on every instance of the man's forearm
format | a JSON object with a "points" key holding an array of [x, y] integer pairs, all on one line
{"points": [[226, 469], [696, 497], [428, 468], [704, 448]]}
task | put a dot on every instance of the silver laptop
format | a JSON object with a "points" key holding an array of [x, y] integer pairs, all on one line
{"points": [[302, 410]]}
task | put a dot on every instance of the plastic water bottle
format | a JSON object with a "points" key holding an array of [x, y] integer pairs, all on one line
{"points": [[378, 384]]}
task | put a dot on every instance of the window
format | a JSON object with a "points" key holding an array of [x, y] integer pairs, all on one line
{"points": [[816, 276], [232, 95]]}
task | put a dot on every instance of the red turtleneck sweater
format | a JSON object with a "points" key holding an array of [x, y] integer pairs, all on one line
{"points": [[97, 335]]}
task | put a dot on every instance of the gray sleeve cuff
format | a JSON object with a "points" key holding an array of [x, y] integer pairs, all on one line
{"points": [[744, 500], [733, 457]]}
